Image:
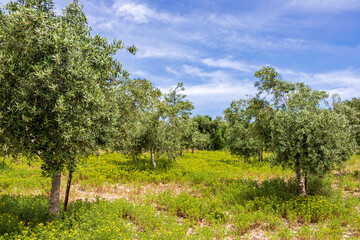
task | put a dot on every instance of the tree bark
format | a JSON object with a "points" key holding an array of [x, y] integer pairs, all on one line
{"points": [[153, 158], [192, 150], [261, 154], [55, 193], [67, 194], [301, 180]]}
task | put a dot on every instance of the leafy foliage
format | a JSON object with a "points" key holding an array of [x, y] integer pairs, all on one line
{"points": [[354, 117], [57, 83], [248, 131], [306, 132], [160, 124], [212, 129]]}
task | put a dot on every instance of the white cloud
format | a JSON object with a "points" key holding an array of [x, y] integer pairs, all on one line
{"points": [[169, 52], [141, 12], [172, 71], [331, 79], [324, 5], [219, 88], [231, 64], [213, 98], [213, 76], [263, 42], [250, 21], [346, 77], [345, 82], [225, 91], [216, 87]]}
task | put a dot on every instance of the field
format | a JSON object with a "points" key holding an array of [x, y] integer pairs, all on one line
{"points": [[205, 195]]}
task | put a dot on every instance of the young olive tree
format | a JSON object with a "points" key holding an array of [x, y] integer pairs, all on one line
{"points": [[192, 137], [249, 130], [160, 128], [136, 98], [57, 85], [307, 134], [239, 139]]}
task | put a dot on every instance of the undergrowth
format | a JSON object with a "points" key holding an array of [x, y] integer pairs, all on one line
{"points": [[224, 197]]}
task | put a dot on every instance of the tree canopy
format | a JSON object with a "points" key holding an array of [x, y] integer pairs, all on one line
{"points": [[158, 123], [57, 85], [294, 122], [354, 118], [307, 132], [248, 131]]}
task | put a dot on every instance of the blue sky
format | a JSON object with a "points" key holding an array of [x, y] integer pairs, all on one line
{"points": [[215, 47]]}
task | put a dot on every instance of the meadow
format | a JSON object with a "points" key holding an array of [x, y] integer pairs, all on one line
{"points": [[204, 195]]}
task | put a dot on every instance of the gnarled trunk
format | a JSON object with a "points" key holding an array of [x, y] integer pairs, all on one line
{"points": [[55, 193], [153, 158], [301, 179]]}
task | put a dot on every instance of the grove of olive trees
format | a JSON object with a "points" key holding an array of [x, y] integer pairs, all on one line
{"points": [[63, 96]]}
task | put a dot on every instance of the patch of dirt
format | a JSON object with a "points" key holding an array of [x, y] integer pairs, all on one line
{"points": [[130, 192], [256, 234]]}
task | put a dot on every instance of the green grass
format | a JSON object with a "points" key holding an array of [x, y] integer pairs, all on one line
{"points": [[205, 195], [19, 176]]}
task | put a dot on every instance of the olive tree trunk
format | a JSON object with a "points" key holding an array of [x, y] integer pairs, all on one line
{"points": [[301, 180], [261, 153], [67, 194], [55, 193], [153, 158]]}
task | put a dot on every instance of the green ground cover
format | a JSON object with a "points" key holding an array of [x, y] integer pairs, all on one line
{"points": [[205, 195]]}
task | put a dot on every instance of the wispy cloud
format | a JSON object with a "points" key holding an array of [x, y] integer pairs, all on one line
{"points": [[345, 77], [344, 82], [224, 92], [163, 82], [217, 76], [167, 52], [248, 41], [213, 98], [141, 12], [324, 5], [230, 64], [217, 86]]}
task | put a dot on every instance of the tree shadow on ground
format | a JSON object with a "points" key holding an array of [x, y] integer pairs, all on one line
{"points": [[243, 191]]}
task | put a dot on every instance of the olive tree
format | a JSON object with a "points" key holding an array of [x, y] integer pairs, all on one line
{"points": [[212, 131], [308, 134], [159, 127], [239, 139], [249, 130], [136, 98], [192, 138], [353, 115], [57, 85]]}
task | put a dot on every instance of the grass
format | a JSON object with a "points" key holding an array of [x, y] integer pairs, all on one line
{"points": [[205, 195]]}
